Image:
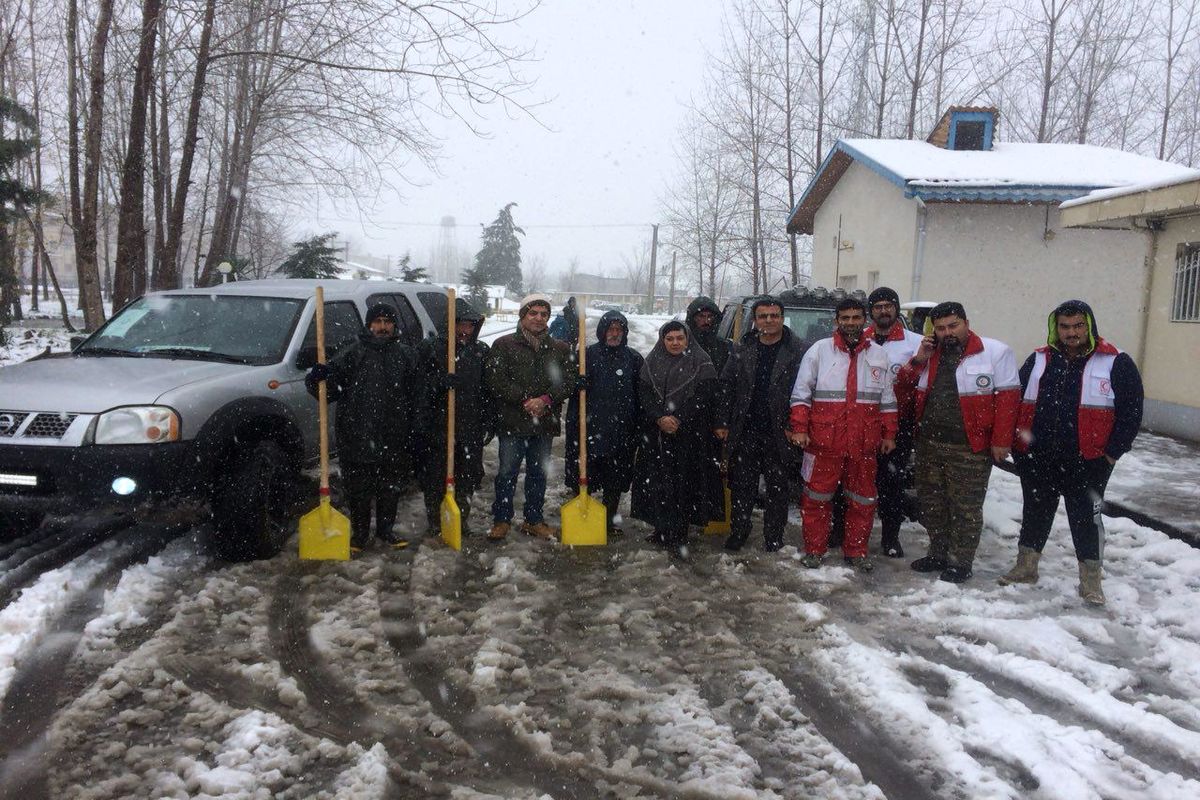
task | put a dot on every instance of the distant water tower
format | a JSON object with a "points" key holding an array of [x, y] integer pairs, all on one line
{"points": [[446, 253]]}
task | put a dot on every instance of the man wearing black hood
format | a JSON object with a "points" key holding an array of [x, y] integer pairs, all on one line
{"points": [[376, 383], [759, 377], [703, 318], [1080, 411], [474, 419], [613, 409]]}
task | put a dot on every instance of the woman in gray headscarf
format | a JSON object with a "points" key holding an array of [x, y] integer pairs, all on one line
{"points": [[677, 479]]}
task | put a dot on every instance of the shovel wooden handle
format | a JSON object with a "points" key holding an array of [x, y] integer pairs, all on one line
{"points": [[450, 360], [322, 394], [582, 403]]}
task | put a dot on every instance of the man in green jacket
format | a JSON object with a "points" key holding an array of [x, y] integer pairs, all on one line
{"points": [[530, 375]]}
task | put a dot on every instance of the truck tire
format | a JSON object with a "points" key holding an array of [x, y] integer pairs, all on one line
{"points": [[250, 506]]}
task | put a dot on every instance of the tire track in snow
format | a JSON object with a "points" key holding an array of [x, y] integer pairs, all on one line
{"points": [[25, 563]]}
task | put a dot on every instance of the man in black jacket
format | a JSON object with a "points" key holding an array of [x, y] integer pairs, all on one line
{"points": [[376, 383], [758, 380], [1080, 411], [703, 318], [474, 419], [613, 415]]}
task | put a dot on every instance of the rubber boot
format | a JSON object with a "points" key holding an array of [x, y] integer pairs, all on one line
{"points": [[1026, 569], [464, 512], [1089, 583]]}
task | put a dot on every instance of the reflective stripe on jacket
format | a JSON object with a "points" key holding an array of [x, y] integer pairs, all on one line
{"points": [[843, 398], [989, 390], [1097, 400], [901, 345]]}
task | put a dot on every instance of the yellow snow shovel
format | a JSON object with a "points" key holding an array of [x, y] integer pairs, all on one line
{"points": [[584, 519], [451, 515], [324, 531], [724, 526]]}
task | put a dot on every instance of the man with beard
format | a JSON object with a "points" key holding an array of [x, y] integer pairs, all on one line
{"points": [[1081, 411], [843, 414], [759, 376], [529, 374], [474, 419], [613, 415], [703, 317], [376, 384], [967, 393]]}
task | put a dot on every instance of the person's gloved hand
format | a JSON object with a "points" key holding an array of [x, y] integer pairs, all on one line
{"points": [[318, 373], [582, 383]]}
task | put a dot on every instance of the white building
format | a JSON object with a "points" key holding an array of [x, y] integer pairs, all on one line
{"points": [[963, 217]]}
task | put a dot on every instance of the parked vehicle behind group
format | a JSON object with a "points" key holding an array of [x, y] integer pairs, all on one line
{"points": [[192, 393], [808, 313]]}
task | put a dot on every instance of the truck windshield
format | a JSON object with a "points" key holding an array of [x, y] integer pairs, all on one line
{"points": [[810, 324], [205, 327]]}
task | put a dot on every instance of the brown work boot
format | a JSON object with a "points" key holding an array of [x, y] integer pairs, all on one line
{"points": [[1089, 583], [1026, 570], [539, 529], [499, 531]]}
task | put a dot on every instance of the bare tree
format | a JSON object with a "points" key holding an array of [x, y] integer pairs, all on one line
{"points": [[1177, 32], [534, 270]]}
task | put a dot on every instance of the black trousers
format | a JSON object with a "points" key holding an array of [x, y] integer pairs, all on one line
{"points": [[607, 477], [757, 455], [1080, 483], [367, 486]]}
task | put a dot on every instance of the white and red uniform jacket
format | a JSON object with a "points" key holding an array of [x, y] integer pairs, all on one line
{"points": [[1097, 400], [989, 390], [901, 345], [843, 398]]}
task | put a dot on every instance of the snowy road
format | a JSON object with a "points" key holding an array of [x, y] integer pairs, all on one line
{"points": [[131, 665]]}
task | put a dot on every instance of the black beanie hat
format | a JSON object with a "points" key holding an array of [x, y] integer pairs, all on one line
{"points": [[884, 295], [381, 310]]}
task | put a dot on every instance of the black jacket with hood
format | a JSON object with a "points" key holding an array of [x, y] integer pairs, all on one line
{"points": [[613, 406], [377, 386], [739, 376], [474, 410], [717, 347], [1056, 416]]}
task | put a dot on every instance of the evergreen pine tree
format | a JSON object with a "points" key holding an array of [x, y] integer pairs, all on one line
{"points": [[411, 274], [312, 258], [498, 261], [477, 294], [14, 195]]}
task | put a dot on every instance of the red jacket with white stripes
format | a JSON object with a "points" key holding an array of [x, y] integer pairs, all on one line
{"points": [[901, 344], [989, 390], [843, 398]]}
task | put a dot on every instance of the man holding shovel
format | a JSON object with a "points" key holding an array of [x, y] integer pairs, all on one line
{"points": [[529, 374], [474, 422], [377, 384]]}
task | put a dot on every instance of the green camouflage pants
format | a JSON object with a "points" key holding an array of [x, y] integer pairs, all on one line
{"points": [[951, 484]]}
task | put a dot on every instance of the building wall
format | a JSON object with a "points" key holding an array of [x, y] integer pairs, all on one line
{"points": [[879, 222], [1009, 274], [1171, 365]]}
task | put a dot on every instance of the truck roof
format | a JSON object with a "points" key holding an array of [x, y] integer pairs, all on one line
{"points": [[304, 288]]}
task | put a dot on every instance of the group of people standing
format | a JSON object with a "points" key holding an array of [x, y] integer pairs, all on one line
{"points": [[846, 414]]}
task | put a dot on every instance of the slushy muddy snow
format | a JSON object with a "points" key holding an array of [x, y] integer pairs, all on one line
{"points": [[134, 665]]}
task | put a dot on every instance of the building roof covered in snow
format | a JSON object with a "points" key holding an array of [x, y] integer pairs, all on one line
{"points": [[981, 171]]}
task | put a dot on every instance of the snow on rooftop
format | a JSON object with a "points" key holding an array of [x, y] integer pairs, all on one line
{"points": [[1135, 188], [919, 163]]}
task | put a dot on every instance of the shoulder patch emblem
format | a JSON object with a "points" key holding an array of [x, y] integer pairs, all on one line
{"points": [[983, 381]]}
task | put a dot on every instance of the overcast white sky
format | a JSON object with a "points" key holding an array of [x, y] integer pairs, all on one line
{"points": [[617, 75]]}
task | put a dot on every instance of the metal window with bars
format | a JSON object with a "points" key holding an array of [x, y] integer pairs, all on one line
{"points": [[1185, 305]]}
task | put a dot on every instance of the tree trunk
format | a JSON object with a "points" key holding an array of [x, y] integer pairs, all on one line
{"points": [[917, 76], [130, 274], [35, 266], [40, 246], [85, 235]]}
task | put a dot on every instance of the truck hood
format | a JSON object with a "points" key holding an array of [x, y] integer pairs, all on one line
{"points": [[93, 384]]}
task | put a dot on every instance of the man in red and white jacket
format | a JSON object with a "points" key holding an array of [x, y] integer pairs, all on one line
{"points": [[843, 414], [966, 393]]}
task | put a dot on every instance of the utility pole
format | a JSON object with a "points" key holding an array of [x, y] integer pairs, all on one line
{"points": [[653, 267], [671, 297]]}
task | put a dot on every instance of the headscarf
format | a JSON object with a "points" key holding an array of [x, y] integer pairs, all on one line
{"points": [[674, 378]]}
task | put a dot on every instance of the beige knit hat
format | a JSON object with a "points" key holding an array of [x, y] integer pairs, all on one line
{"points": [[534, 299]]}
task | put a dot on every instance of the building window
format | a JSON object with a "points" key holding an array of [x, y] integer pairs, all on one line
{"points": [[848, 282], [872, 280], [1185, 306]]}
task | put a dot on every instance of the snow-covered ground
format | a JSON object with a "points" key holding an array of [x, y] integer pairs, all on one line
{"points": [[532, 670]]}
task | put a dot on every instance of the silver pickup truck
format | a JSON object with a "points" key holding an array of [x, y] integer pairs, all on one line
{"points": [[194, 392]]}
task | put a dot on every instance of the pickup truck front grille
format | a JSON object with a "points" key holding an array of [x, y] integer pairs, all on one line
{"points": [[44, 425]]}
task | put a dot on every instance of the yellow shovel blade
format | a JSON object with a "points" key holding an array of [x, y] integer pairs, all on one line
{"points": [[325, 534], [451, 522], [584, 522], [723, 526]]}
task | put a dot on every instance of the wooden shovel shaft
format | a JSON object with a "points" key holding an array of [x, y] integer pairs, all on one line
{"points": [[322, 393], [450, 359], [582, 403]]}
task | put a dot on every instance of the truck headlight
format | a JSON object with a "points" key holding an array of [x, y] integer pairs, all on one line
{"points": [[137, 425]]}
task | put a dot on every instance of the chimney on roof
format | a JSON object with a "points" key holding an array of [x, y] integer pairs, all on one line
{"points": [[966, 128]]}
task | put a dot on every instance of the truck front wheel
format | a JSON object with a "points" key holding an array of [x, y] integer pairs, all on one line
{"points": [[250, 505]]}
